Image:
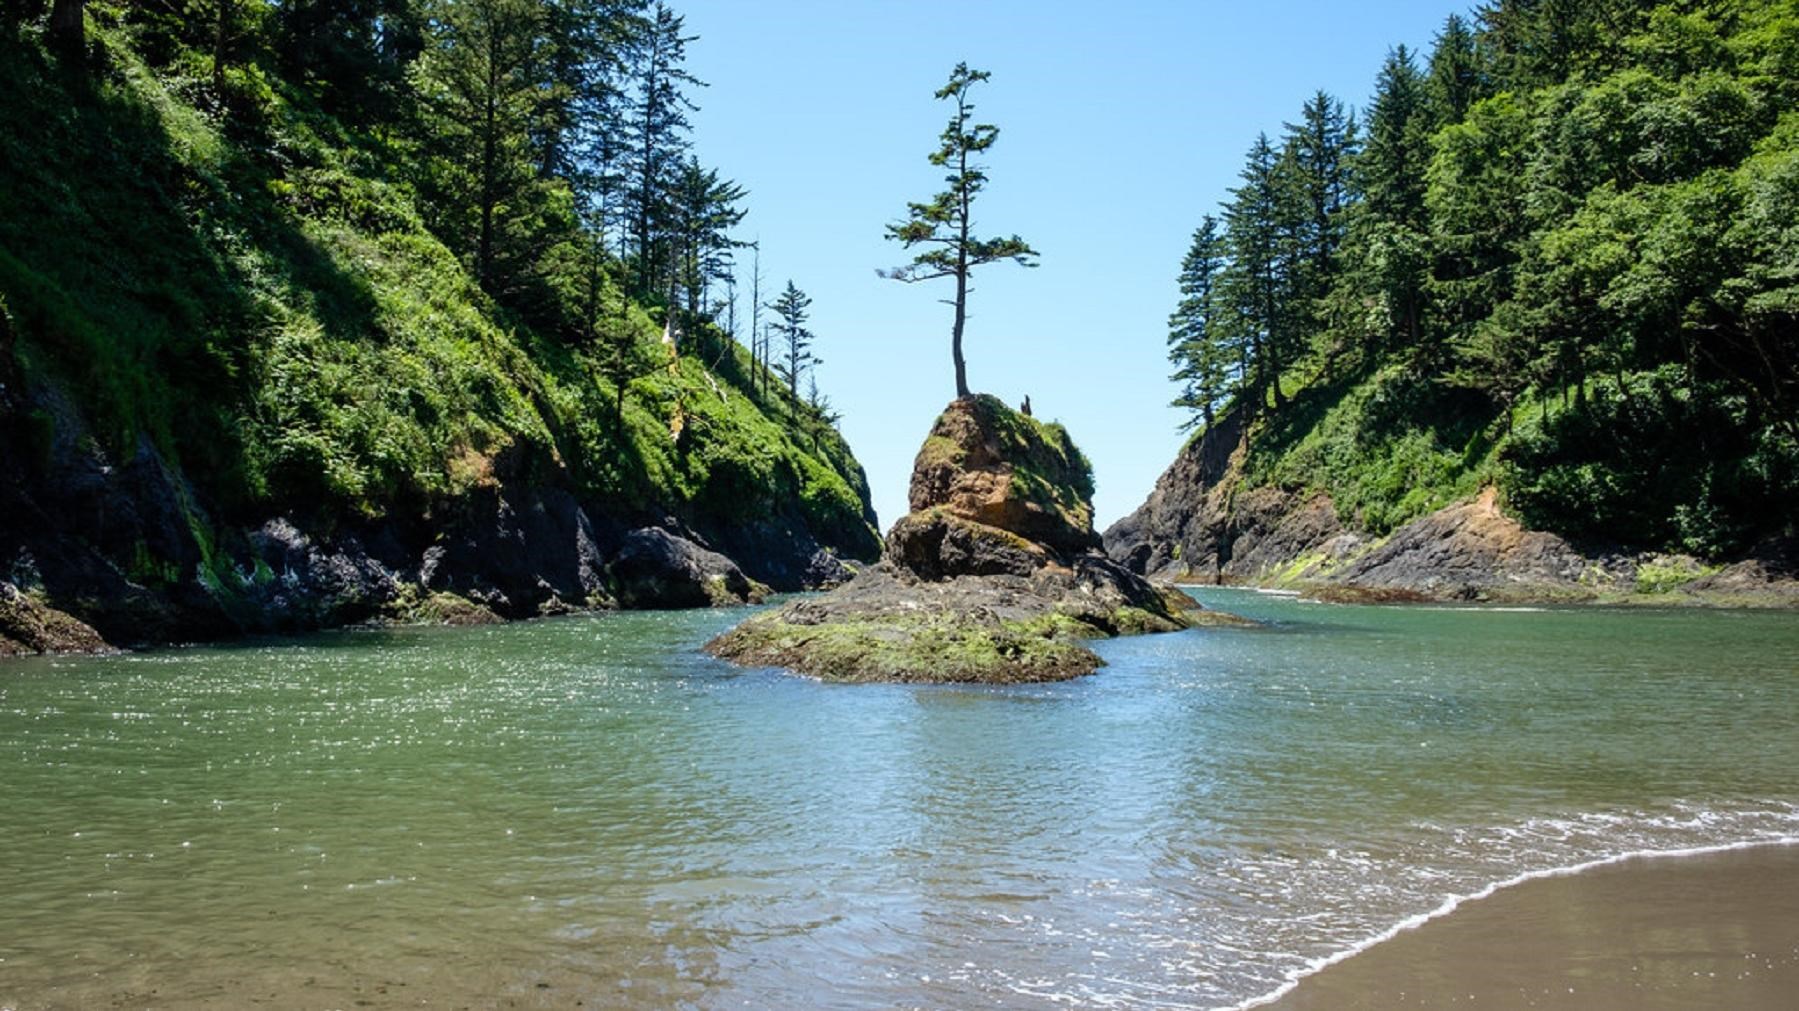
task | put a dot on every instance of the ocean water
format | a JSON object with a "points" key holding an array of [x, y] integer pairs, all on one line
{"points": [[588, 811]]}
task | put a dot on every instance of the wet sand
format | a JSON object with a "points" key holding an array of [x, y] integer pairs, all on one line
{"points": [[1717, 930]]}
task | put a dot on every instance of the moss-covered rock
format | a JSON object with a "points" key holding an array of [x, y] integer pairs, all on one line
{"points": [[29, 625], [985, 462], [992, 578], [924, 646]]}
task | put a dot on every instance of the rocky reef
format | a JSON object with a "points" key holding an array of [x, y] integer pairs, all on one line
{"points": [[994, 576]]}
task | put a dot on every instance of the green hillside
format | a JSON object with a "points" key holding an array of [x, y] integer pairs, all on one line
{"points": [[1558, 254], [256, 265]]}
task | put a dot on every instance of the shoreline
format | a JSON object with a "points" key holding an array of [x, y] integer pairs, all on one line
{"points": [[1517, 596], [1660, 931], [1326, 593]]}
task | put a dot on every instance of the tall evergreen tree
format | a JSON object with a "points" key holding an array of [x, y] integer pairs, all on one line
{"points": [[1319, 151], [483, 100], [705, 209], [946, 223], [354, 53], [1455, 76], [1199, 347], [793, 307], [1261, 269], [1391, 171], [658, 140]]}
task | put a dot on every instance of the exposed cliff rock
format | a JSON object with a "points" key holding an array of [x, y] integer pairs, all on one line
{"points": [[993, 577], [97, 553], [1204, 524], [987, 463]]}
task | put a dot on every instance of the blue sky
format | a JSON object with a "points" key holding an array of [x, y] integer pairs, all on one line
{"points": [[1121, 124]]}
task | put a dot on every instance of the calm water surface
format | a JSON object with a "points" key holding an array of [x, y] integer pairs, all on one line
{"points": [[590, 811]]}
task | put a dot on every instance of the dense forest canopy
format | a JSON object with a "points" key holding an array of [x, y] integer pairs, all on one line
{"points": [[339, 255], [1559, 252]]}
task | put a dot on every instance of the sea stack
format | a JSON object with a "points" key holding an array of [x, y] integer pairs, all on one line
{"points": [[996, 575]]}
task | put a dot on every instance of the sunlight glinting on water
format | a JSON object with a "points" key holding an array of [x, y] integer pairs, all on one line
{"points": [[590, 809]]}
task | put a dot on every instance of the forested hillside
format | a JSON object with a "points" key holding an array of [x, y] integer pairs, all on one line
{"points": [[318, 309], [1558, 254]]}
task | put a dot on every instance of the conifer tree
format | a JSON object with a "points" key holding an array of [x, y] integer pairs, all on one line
{"points": [[946, 223], [793, 307], [1456, 80], [1391, 171], [482, 101], [1260, 273], [704, 210], [658, 139], [1199, 344], [355, 53]]}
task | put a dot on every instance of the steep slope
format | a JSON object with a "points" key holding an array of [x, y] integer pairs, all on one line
{"points": [[1524, 324], [242, 387]]}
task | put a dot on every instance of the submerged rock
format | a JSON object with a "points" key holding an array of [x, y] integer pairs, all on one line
{"points": [[994, 576]]}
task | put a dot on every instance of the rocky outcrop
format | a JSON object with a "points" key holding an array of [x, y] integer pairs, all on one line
{"points": [[1473, 551], [656, 569], [993, 577], [1204, 524], [987, 463], [98, 553], [28, 625]]}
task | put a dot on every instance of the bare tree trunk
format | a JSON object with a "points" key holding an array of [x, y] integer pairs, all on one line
{"points": [[955, 341], [68, 29], [221, 37]]}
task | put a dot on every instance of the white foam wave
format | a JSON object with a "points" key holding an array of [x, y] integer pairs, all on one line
{"points": [[1454, 902]]}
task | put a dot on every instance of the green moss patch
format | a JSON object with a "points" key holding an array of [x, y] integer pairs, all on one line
{"points": [[926, 648]]}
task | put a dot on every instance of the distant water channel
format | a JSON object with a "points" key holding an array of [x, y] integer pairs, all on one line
{"points": [[588, 811]]}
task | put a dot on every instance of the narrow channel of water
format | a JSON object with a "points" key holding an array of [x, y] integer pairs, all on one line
{"points": [[590, 810]]}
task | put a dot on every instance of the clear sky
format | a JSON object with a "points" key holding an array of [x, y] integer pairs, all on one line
{"points": [[1121, 124]]}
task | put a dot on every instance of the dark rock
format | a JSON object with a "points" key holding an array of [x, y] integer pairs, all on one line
{"points": [[519, 549], [1179, 530], [784, 553], [654, 568], [938, 545], [300, 584]]}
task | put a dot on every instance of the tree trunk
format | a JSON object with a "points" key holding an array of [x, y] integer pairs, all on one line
{"points": [[68, 29], [221, 36], [955, 340], [489, 165]]}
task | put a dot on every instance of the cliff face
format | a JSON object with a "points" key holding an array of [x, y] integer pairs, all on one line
{"points": [[98, 552], [1205, 523]]}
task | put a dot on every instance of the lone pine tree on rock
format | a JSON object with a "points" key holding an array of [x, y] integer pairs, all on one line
{"points": [[945, 224]]}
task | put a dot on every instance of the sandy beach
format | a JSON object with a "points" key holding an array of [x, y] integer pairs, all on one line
{"points": [[1718, 930]]}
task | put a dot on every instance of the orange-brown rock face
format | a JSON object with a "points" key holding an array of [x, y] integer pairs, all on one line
{"points": [[986, 463]]}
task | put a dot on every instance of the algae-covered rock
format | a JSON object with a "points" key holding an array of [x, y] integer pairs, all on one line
{"points": [[994, 577], [28, 625]]}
